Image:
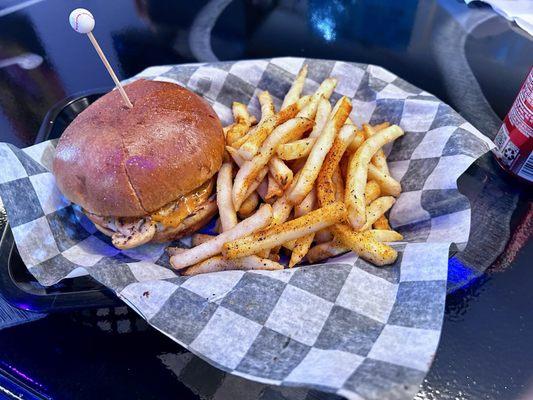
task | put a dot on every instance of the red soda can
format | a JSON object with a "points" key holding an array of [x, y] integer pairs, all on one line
{"points": [[514, 141]]}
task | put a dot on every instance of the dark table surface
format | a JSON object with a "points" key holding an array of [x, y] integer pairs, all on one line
{"points": [[467, 55]]}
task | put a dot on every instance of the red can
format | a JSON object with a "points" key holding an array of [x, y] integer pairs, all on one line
{"points": [[514, 141]]}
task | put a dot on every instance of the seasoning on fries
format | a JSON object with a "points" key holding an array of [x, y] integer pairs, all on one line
{"points": [[305, 180]]}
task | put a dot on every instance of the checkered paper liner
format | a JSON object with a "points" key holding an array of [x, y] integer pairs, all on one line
{"points": [[345, 326]]}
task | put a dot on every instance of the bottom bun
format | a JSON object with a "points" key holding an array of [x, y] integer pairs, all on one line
{"points": [[190, 224]]}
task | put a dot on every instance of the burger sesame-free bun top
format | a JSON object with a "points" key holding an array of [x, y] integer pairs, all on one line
{"points": [[115, 161]]}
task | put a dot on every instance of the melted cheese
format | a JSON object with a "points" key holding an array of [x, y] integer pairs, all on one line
{"points": [[174, 213]]}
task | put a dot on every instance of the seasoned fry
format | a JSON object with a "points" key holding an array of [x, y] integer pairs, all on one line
{"points": [[301, 245], [249, 205], [279, 234], [326, 188], [388, 185], [295, 91], [300, 249], [382, 223], [325, 250], [372, 191], [267, 105], [357, 141], [235, 155], [324, 91], [376, 209], [213, 247], [226, 129], [218, 263], [303, 102], [239, 142], [379, 159], [384, 235], [262, 189], [323, 236], [358, 170], [228, 216], [364, 245], [242, 124], [199, 238], [307, 205], [250, 148], [273, 189], [322, 114], [247, 174], [339, 184], [318, 153], [297, 149], [256, 182], [280, 172]]}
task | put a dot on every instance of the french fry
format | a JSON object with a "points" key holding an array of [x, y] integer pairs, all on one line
{"points": [[267, 105], [388, 185], [379, 159], [325, 187], [199, 238], [273, 189], [382, 223], [384, 235], [357, 141], [339, 184], [279, 234], [307, 205], [323, 236], [303, 102], [239, 142], [226, 129], [325, 250], [300, 246], [297, 149], [281, 209], [280, 172], [235, 155], [228, 216], [358, 171], [300, 249], [250, 148], [320, 149], [376, 209], [242, 124], [218, 263], [213, 247], [324, 91], [262, 189], [322, 114], [372, 191], [249, 205], [364, 245], [254, 185], [295, 91], [247, 174]]}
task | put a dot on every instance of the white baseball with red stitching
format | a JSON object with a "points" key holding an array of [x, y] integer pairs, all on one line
{"points": [[81, 20]]}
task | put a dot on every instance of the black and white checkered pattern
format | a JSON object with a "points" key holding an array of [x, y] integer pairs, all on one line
{"points": [[344, 327]]}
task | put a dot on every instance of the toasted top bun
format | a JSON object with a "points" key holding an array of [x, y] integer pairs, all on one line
{"points": [[115, 161]]}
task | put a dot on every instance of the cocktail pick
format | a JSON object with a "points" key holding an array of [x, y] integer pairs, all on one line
{"points": [[82, 21]]}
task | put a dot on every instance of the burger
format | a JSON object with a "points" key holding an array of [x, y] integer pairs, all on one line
{"points": [[144, 174]]}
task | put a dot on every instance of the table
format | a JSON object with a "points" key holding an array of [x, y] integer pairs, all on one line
{"points": [[466, 55]]}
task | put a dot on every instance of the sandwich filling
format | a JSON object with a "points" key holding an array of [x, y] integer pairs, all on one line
{"points": [[127, 233]]}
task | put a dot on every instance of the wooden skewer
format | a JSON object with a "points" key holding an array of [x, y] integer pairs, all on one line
{"points": [[110, 70], [82, 21]]}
